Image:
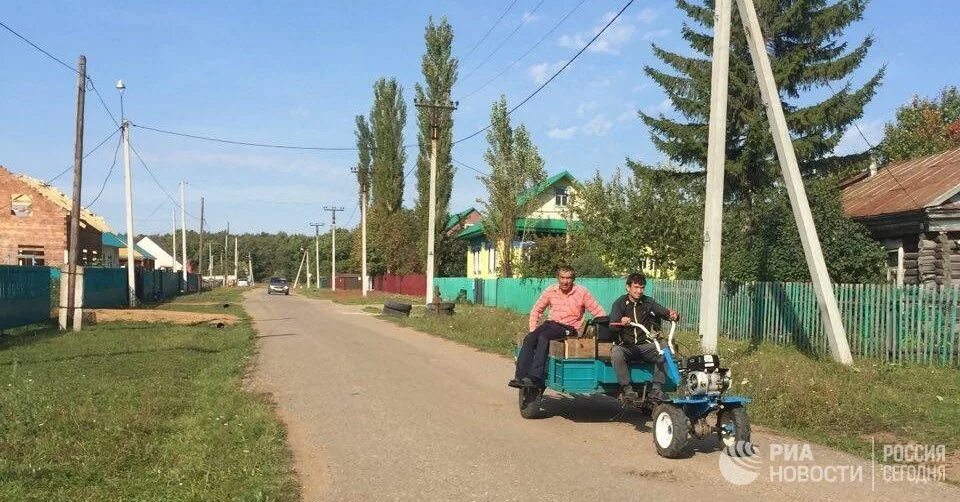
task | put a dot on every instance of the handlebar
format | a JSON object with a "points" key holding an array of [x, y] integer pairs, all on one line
{"points": [[649, 335]]}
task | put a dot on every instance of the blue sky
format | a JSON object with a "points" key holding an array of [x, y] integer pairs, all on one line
{"points": [[298, 72]]}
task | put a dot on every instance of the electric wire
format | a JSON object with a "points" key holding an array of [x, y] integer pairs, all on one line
{"points": [[504, 41], [157, 182], [487, 34], [116, 154], [525, 54], [556, 74], [37, 47], [469, 167]]}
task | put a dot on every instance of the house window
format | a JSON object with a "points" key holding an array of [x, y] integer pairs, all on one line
{"points": [[561, 196], [491, 258], [476, 259], [20, 204], [30, 256], [893, 262]]}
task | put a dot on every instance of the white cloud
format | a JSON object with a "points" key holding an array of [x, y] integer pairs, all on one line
{"points": [[851, 141], [600, 82], [597, 126], [587, 107], [562, 133], [647, 15], [542, 71], [616, 36], [662, 107], [530, 17], [662, 32], [629, 112]]}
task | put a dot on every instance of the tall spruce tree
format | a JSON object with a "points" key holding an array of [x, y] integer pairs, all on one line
{"points": [[807, 52], [439, 73], [515, 166], [387, 119]]}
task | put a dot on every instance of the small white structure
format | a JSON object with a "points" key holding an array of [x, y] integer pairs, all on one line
{"points": [[163, 258]]}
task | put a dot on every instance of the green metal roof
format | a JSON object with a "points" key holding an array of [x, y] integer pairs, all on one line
{"points": [[538, 225], [543, 185], [111, 240], [453, 219], [121, 240]]}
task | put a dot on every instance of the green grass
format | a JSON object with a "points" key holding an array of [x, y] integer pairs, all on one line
{"points": [[796, 394], [133, 411]]}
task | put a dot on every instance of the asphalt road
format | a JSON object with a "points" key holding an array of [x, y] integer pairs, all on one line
{"points": [[379, 412]]}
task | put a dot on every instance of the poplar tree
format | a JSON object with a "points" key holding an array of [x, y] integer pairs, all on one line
{"points": [[515, 167], [387, 119], [807, 53]]}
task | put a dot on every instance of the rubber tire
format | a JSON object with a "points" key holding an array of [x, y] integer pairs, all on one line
{"points": [[287, 293], [387, 311], [741, 426], [268, 292], [530, 399], [400, 307], [675, 444]]}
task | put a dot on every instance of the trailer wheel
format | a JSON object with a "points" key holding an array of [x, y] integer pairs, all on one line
{"points": [[530, 400], [670, 430], [733, 427]]}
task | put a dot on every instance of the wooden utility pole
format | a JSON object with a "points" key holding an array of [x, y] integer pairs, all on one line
{"points": [[333, 246], [435, 110], [72, 312], [316, 228]]}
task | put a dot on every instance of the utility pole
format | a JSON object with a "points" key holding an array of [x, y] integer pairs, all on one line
{"points": [[75, 209], [128, 181], [316, 228], [363, 231], [173, 266], [333, 245], [250, 269], [306, 252], [236, 263], [435, 109], [223, 265], [200, 250], [210, 265], [303, 256], [183, 234]]}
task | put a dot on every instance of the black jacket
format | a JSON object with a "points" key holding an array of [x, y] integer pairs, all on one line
{"points": [[645, 311]]}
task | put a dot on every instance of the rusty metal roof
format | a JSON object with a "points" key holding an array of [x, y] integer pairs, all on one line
{"points": [[905, 186]]}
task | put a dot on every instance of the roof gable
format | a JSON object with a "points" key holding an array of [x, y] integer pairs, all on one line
{"points": [[541, 187], [907, 186], [64, 202], [453, 219]]}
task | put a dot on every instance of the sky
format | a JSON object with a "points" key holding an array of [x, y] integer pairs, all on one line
{"points": [[297, 73]]}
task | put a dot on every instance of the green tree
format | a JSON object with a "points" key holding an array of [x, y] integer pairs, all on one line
{"points": [[807, 52], [387, 119], [439, 69], [515, 167], [923, 127], [364, 152]]}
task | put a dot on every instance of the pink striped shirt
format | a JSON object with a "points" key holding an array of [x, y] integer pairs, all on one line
{"points": [[565, 308]]}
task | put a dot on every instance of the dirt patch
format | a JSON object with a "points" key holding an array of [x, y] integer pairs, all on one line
{"points": [[171, 316]]}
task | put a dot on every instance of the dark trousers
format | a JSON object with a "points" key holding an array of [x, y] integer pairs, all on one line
{"points": [[532, 360], [622, 355]]}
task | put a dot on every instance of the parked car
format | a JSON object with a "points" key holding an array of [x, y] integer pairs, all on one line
{"points": [[278, 285]]}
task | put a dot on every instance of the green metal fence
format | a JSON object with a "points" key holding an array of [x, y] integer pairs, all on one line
{"points": [[104, 287], [907, 324], [24, 295]]}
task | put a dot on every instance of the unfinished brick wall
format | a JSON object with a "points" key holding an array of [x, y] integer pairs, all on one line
{"points": [[46, 227]]}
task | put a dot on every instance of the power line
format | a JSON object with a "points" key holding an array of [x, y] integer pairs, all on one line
{"points": [[525, 54], [162, 203], [558, 72], [250, 143], [107, 178], [157, 182], [103, 103], [502, 42], [487, 34], [469, 167], [37, 47]]}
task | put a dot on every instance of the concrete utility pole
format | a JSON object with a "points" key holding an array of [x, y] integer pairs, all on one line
{"points": [[250, 269], [819, 274], [435, 109], [75, 209], [210, 265], [303, 256], [306, 252], [829, 312], [223, 264], [316, 228], [236, 258], [183, 234], [173, 266], [131, 278], [716, 157], [333, 246], [200, 250]]}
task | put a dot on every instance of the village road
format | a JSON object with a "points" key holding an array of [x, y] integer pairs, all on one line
{"points": [[379, 412]]}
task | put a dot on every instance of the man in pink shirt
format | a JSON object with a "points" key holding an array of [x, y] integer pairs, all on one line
{"points": [[567, 302]]}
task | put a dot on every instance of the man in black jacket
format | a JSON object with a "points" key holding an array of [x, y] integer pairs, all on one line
{"points": [[631, 344]]}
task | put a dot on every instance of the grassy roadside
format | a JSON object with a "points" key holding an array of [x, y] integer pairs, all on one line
{"points": [[803, 397], [134, 411]]}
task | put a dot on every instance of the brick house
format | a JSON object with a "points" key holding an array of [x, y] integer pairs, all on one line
{"points": [[35, 224]]}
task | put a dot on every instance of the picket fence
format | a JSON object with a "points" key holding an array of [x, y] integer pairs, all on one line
{"points": [[907, 324]]}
